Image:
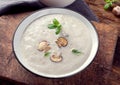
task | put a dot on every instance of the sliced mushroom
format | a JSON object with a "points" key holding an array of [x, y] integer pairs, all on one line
{"points": [[44, 46], [116, 10], [47, 48], [56, 58], [62, 42]]}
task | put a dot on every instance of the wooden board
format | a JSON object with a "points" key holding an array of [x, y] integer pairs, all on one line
{"points": [[104, 16], [95, 74]]}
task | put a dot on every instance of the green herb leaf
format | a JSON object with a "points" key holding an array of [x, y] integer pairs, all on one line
{"points": [[55, 25], [58, 29], [47, 54], [107, 5], [56, 22], [51, 26], [76, 52], [107, 1]]}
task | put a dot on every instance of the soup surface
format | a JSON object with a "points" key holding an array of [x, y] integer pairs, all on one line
{"points": [[73, 54]]}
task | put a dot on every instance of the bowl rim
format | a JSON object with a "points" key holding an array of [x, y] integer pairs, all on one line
{"points": [[47, 11], [59, 4]]}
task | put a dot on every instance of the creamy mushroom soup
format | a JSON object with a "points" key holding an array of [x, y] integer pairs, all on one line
{"points": [[55, 44]]}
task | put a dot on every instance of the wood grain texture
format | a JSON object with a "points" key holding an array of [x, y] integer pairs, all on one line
{"points": [[95, 74], [107, 17], [115, 76]]}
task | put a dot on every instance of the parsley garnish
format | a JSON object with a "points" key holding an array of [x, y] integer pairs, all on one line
{"points": [[47, 54], [108, 4], [76, 52], [55, 25]]}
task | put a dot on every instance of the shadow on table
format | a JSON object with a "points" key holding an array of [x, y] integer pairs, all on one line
{"points": [[116, 61], [5, 81]]}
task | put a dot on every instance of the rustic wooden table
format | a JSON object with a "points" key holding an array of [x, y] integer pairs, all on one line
{"points": [[104, 16], [108, 18], [95, 74]]}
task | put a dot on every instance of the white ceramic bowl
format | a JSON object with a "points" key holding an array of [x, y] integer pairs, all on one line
{"points": [[57, 3], [26, 22]]}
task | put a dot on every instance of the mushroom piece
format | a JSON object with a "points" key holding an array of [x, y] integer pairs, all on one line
{"points": [[116, 10], [62, 42], [56, 58], [44, 46], [47, 48]]}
